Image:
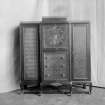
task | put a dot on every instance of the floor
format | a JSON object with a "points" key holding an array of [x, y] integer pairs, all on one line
{"points": [[77, 98]]}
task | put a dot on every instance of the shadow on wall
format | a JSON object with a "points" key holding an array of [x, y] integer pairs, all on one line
{"points": [[16, 55]]}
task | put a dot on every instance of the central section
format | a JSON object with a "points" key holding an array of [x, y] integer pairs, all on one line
{"points": [[55, 57]]}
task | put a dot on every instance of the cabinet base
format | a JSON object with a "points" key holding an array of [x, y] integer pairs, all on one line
{"points": [[53, 88], [61, 88]]}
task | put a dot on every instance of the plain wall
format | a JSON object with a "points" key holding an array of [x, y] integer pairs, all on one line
{"points": [[12, 12]]}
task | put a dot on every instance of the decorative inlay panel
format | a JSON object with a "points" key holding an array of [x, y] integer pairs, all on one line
{"points": [[55, 35], [55, 66]]}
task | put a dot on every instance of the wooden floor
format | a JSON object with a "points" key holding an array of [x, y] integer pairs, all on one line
{"points": [[77, 98]]}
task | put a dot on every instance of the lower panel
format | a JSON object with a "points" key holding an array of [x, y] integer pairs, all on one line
{"points": [[55, 66]]}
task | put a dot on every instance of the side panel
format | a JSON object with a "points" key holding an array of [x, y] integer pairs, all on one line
{"points": [[29, 51], [80, 52]]}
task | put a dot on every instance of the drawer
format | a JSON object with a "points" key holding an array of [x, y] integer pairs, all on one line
{"points": [[55, 66]]}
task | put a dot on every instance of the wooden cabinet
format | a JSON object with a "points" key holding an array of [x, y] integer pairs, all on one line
{"points": [[55, 51]]}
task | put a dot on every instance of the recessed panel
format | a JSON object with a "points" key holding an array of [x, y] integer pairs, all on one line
{"points": [[79, 51], [30, 53], [55, 35], [55, 67]]}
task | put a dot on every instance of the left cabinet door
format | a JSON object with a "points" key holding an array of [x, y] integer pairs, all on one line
{"points": [[29, 54]]}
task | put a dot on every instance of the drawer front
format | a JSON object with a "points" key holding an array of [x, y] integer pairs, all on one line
{"points": [[55, 35], [55, 66], [30, 53]]}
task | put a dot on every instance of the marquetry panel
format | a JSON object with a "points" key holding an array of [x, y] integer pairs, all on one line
{"points": [[55, 67], [55, 35]]}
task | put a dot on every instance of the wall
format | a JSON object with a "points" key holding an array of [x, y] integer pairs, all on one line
{"points": [[100, 23], [12, 12]]}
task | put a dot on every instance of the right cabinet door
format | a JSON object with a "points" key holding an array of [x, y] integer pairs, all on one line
{"points": [[81, 69]]}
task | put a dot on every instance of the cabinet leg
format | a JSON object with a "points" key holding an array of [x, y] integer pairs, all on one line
{"points": [[90, 88], [67, 89], [70, 87], [22, 87], [84, 86], [41, 89]]}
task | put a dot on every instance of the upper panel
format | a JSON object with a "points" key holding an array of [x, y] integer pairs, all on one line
{"points": [[55, 35]]}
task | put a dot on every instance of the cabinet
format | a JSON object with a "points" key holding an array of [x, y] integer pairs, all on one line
{"points": [[55, 51]]}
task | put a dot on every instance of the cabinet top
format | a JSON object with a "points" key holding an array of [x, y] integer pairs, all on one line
{"points": [[54, 20]]}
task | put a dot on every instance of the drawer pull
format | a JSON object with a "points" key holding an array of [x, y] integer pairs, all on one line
{"points": [[63, 75]]}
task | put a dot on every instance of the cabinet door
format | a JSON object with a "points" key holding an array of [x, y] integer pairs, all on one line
{"points": [[55, 66], [29, 51], [55, 35], [80, 51]]}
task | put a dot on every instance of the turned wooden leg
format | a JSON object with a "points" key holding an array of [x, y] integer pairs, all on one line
{"points": [[41, 89], [67, 91], [70, 89], [22, 87], [84, 85], [90, 88]]}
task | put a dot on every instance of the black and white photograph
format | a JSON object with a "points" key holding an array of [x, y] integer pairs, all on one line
{"points": [[52, 52]]}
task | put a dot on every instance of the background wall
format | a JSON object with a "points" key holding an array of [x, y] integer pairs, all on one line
{"points": [[100, 23], [12, 12]]}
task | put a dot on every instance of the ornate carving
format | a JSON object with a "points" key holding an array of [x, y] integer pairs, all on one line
{"points": [[54, 36], [55, 66]]}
